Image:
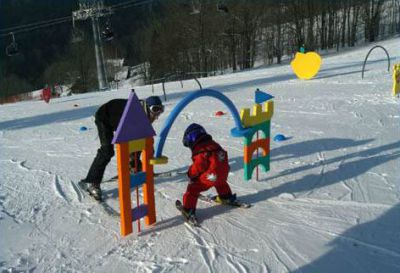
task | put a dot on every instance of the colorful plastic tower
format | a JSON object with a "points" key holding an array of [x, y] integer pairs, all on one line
{"points": [[396, 79], [259, 121], [130, 139]]}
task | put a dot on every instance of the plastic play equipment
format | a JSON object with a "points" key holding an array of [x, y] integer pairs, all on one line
{"points": [[259, 120], [176, 75], [279, 137], [246, 126], [260, 97], [369, 52], [306, 65], [131, 139], [181, 75], [237, 131], [396, 79]]}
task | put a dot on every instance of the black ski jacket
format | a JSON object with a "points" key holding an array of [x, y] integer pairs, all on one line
{"points": [[111, 112]]}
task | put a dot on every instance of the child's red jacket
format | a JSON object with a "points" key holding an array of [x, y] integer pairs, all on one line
{"points": [[210, 168], [210, 163]]}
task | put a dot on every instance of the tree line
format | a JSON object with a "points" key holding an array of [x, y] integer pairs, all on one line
{"points": [[208, 38], [200, 37]]}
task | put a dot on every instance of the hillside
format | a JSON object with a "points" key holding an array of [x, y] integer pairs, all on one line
{"points": [[329, 204]]}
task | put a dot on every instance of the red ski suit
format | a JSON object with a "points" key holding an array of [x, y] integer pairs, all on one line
{"points": [[210, 168]]}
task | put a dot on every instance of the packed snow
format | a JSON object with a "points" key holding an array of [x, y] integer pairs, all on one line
{"points": [[330, 202]]}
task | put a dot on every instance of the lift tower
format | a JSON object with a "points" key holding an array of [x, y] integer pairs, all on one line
{"points": [[94, 9]]}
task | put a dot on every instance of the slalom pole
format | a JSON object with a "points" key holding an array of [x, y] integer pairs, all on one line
{"points": [[257, 164], [137, 191], [137, 204]]}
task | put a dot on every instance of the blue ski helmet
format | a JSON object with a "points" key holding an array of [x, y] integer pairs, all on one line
{"points": [[153, 100], [192, 134], [154, 105]]}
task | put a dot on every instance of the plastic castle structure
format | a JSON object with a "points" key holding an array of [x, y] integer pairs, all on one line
{"points": [[129, 139], [259, 120], [246, 126]]}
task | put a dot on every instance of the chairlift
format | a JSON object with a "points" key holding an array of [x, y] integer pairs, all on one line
{"points": [[77, 35], [222, 7], [107, 34], [12, 49], [195, 9]]}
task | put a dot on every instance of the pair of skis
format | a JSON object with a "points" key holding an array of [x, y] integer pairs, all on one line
{"points": [[190, 219], [108, 209], [216, 200], [161, 175]]}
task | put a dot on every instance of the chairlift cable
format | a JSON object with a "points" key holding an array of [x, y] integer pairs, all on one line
{"points": [[36, 27], [133, 4], [127, 4], [47, 23], [13, 29]]}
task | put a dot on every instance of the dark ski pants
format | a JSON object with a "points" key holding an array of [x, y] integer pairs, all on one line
{"points": [[105, 153], [195, 188]]}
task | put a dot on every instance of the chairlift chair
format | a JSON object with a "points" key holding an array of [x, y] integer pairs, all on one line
{"points": [[195, 10], [77, 35], [12, 49], [222, 7], [107, 34]]}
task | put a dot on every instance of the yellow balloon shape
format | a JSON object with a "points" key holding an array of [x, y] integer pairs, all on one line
{"points": [[307, 65]]}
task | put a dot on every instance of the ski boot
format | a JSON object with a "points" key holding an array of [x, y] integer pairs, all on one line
{"points": [[226, 199], [188, 214], [95, 191], [231, 200]]}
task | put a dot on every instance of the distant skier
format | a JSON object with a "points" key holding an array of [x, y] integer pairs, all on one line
{"points": [[46, 94], [107, 119], [210, 168]]}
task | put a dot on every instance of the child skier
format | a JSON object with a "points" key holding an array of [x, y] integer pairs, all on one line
{"points": [[210, 168]]}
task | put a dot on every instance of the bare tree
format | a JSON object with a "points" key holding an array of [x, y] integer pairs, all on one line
{"points": [[372, 10], [207, 40]]}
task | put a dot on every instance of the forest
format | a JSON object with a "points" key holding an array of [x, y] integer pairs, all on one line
{"points": [[176, 38]]}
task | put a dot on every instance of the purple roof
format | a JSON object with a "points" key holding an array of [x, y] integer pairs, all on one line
{"points": [[134, 123]]}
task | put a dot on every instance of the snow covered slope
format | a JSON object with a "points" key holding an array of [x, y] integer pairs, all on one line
{"points": [[329, 204]]}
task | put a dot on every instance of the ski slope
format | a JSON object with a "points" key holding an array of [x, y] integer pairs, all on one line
{"points": [[329, 204]]}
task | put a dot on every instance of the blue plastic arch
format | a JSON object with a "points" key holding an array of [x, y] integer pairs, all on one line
{"points": [[237, 131]]}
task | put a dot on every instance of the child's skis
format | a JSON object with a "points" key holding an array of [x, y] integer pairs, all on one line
{"points": [[216, 200], [160, 175]]}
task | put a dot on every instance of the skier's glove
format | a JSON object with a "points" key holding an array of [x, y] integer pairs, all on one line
{"points": [[191, 181]]}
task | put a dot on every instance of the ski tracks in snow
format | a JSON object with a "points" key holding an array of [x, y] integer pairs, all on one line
{"points": [[205, 248], [47, 203], [139, 254], [67, 191], [216, 250], [332, 231]]}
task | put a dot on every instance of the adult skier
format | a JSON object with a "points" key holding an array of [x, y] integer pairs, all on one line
{"points": [[107, 118]]}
